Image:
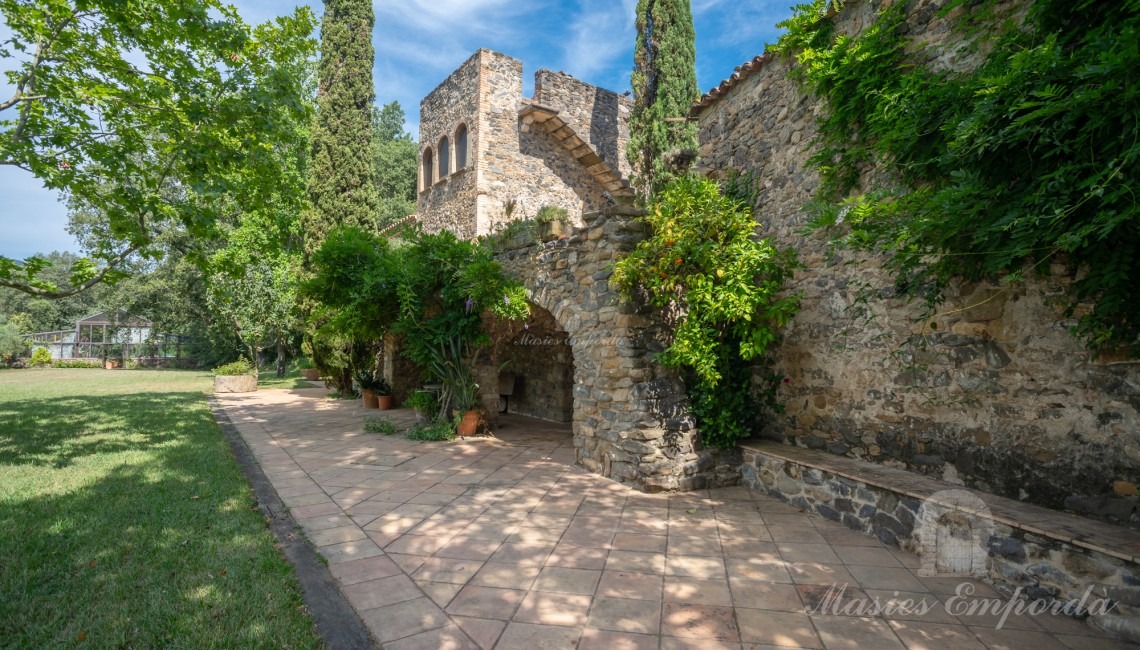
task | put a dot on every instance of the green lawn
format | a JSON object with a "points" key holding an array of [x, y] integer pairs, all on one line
{"points": [[126, 522], [267, 378]]}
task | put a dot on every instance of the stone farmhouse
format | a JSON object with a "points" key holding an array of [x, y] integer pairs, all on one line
{"points": [[490, 155], [1036, 441]]}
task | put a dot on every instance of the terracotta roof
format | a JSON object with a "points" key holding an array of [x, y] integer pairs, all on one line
{"points": [[741, 73], [406, 221]]}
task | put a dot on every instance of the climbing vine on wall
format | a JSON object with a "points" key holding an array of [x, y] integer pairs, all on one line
{"points": [[724, 287], [1030, 159]]}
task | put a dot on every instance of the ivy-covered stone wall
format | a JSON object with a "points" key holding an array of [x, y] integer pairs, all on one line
{"points": [[993, 392]]}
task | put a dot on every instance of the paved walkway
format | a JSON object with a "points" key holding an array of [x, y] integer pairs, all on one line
{"points": [[499, 543]]}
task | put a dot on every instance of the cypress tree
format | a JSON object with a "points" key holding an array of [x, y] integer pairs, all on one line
{"points": [[664, 84], [342, 188]]}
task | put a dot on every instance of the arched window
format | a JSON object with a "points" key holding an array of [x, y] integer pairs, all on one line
{"points": [[461, 147], [444, 158], [428, 168]]}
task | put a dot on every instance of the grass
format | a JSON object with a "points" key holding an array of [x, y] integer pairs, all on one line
{"points": [[126, 522], [268, 378]]}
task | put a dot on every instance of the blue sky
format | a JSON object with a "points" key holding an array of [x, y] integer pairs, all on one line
{"points": [[419, 42]]}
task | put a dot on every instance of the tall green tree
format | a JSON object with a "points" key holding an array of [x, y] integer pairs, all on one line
{"points": [[116, 104], [664, 84], [394, 157], [342, 189]]}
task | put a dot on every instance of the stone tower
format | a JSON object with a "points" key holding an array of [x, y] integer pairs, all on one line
{"points": [[488, 155]]}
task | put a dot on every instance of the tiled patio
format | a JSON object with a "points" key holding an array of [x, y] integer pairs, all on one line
{"points": [[499, 543]]}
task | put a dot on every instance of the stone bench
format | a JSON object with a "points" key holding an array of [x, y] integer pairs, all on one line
{"points": [[956, 531]]}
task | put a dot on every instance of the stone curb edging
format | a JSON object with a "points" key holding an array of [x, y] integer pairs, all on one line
{"points": [[337, 622]]}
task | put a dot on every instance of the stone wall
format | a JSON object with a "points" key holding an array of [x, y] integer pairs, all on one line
{"points": [[995, 394], [631, 419], [450, 202], [600, 116]]}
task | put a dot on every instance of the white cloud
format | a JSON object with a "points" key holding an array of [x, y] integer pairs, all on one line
{"points": [[601, 42]]}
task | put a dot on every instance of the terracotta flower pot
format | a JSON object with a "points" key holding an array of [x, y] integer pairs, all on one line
{"points": [[312, 374], [469, 424], [369, 397], [385, 402]]}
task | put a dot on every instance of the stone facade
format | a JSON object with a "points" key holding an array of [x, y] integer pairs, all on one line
{"points": [[600, 115], [512, 169], [631, 419], [993, 393]]}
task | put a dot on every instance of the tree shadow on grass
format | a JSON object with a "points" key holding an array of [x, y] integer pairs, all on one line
{"points": [[55, 432], [126, 522]]}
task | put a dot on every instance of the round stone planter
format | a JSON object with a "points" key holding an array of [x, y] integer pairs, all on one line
{"points": [[368, 397], [235, 383], [311, 374]]}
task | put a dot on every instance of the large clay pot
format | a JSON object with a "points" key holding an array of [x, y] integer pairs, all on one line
{"points": [[312, 374], [369, 397], [469, 424], [385, 402]]}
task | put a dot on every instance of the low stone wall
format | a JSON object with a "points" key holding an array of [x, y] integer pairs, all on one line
{"points": [[1047, 555], [235, 383]]}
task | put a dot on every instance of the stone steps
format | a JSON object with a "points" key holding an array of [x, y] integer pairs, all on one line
{"points": [[547, 119]]}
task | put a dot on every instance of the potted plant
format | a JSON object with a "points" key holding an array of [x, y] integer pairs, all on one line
{"points": [[368, 385], [237, 377], [307, 370], [383, 394], [460, 389], [551, 221], [425, 405]]}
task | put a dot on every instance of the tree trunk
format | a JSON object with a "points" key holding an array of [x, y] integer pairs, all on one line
{"points": [[280, 358]]}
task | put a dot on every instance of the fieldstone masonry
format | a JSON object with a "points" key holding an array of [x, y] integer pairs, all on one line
{"points": [[631, 420], [993, 392], [1046, 555], [514, 169]]}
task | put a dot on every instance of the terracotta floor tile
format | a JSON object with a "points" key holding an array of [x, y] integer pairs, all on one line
{"points": [[850, 633], [577, 557], [508, 576], [483, 632], [602, 640], [866, 556], [567, 581], [697, 591], [404, 619], [486, 602], [699, 622], [381, 592], [695, 567], [370, 568], [631, 561], [525, 636], [450, 637], [554, 609], [782, 629], [922, 635], [624, 615], [640, 543]]}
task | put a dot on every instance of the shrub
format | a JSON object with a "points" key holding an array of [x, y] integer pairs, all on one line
{"points": [[724, 288], [423, 402], [240, 367], [40, 357], [76, 364], [551, 214], [380, 425], [440, 429]]}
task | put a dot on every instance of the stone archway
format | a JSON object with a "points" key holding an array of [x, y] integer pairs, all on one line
{"points": [[631, 418], [537, 367]]}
